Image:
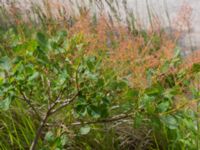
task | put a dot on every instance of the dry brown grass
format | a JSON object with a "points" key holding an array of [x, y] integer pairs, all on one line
{"points": [[192, 58], [134, 54], [127, 52]]}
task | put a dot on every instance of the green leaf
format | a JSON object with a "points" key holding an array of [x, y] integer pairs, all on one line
{"points": [[100, 82], [104, 111], [145, 100], [165, 67], [138, 120], [41, 37], [5, 104], [49, 137], [81, 109], [62, 34], [91, 62], [118, 85], [84, 130], [5, 63], [42, 40], [94, 111], [33, 76], [149, 74], [170, 121], [131, 94], [148, 103], [177, 52], [153, 91], [1, 79], [196, 68], [170, 93], [164, 106], [64, 139], [127, 106], [91, 76]]}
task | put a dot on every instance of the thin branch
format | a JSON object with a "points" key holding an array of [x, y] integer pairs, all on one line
{"points": [[39, 130], [77, 85], [58, 99], [27, 100], [48, 114], [108, 120], [113, 119], [49, 92], [65, 103], [122, 117]]}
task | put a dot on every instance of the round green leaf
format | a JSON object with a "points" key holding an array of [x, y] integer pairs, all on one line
{"points": [[84, 130]]}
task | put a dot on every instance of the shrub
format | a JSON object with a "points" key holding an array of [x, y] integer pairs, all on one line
{"points": [[96, 85]]}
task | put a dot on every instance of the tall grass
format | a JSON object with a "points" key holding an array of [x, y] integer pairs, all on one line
{"points": [[63, 13]]}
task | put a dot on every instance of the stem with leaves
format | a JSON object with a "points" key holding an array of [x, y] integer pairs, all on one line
{"points": [[51, 110]]}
